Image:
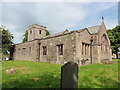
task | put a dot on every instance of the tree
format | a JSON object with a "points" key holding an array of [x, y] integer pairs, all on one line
{"points": [[6, 40], [26, 35], [47, 33], [114, 36]]}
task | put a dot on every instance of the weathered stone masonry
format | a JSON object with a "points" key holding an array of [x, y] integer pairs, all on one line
{"points": [[85, 46]]}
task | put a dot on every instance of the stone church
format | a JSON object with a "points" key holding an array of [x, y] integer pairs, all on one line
{"points": [[84, 46]]}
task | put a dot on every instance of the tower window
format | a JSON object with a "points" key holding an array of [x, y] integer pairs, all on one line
{"points": [[30, 31], [39, 31], [60, 49]]}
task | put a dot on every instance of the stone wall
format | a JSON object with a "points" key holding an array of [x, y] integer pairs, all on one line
{"points": [[83, 47], [105, 50], [69, 46], [26, 51], [95, 49]]}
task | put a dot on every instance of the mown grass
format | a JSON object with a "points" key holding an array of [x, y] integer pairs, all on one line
{"points": [[116, 60], [45, 75], [0, 74], [31, 74]]}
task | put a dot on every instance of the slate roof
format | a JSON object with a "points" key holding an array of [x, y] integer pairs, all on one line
{"points": [[57, 34], [94, 29]]}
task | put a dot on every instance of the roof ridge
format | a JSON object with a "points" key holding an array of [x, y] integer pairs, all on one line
{"points": [[94, 26]]}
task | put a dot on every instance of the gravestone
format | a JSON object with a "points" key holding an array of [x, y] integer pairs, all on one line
{"points": [[11, 70], [69, 75]]}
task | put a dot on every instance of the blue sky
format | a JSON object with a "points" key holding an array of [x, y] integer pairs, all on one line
{"points": [[57, 17]]}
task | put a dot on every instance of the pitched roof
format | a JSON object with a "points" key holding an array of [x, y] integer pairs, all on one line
{"points": [[91, 30], [94, 29], [57, 34]]}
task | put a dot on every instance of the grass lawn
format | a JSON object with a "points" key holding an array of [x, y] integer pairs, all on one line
{"points": [[45, 75]]}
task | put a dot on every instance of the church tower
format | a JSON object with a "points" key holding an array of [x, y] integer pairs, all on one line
{"points": [[36, 32]]}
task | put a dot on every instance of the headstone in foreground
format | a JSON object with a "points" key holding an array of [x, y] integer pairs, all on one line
{"points": [[69, 75]]}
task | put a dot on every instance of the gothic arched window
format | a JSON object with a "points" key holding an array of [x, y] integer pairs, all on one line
{"points": [[104, 44]]}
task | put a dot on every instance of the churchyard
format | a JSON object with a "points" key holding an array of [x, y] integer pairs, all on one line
{"points": [[47, 75]]}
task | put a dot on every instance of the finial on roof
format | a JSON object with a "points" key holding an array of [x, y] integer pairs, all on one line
{"points": [[66, 29], [102, 19]]}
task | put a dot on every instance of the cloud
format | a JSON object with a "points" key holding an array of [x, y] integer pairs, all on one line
{"points": [[59, 15], [16, 18], [55, 16], [107, 5], [17, 34], [60, 0], [111, 23]]}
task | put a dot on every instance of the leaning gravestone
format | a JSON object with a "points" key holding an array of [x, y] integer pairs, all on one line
{"points": [[69, 75]]}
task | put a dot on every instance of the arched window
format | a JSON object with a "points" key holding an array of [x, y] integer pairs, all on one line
{"points": [[104, 44]]}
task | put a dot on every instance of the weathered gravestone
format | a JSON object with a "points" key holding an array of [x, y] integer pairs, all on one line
{"points": [[69, 75], [11, 70]]}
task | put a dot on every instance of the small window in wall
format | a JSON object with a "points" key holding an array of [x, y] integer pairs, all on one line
{"points": [[30, 31], [39, 31], [29, 50], [44, 50], [60, 49], [19, 51], [23, 51]]}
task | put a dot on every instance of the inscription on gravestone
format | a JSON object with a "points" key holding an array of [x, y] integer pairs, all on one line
{"points": [[69, 75]]}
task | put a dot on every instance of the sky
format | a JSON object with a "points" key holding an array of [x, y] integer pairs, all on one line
{"points": [[56, 16]]}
